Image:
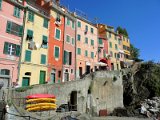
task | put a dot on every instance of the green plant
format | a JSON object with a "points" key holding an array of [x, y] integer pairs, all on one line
{"points": [[22, 89]]}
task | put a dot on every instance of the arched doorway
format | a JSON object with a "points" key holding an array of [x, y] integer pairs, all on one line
{"points": [[73, 101]]}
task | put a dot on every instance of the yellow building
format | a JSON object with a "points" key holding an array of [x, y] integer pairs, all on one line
{"points": [[113, 48], [126, 47], [33, 62]]}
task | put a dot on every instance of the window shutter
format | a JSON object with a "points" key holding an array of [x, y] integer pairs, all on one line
{"points": [[17, 50], [45, 23], [28, 56], [100, 41], [5, 50], [18, 14], [65, 57], [0, 4], [70, 58], [20, 31], [73, 41], [57, 34], [43, 59], [45, 39], [56, 52], [15, 11], [92, 42], [9, 25]]}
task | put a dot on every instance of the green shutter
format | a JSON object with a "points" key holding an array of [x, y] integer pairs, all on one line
{"points": [[79, 24], [73, 41], [28, 56], [16, 12], [92, 42], [18, 50], [92, 55], [73, 25], [86, 40], [56, 52], [30, 33], [30, 16], [116, 47], [25, 82], [78, 37], [100, 41], [86, 28], [45, 38], [110, 44], [5, 50], [43, 59], [68, 21], [45, 23], [68, 38], [0, 4], [42, 77], [8, 28], [65, 57], [79, 51], [57, 34], [86, 53], [92, 30], [20, 31]]}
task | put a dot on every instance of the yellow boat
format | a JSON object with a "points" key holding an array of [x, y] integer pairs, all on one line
{"points": [[41, 108], [40, 105], [39, 100]]}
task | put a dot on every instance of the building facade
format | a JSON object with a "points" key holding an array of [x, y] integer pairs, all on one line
{"points": [[33, 62], [56, 41], [86, 47], [113, 48], [11, 31], [69, 55], [103, 53]]}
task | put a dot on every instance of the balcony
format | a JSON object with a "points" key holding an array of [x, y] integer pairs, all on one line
{"points": [[101, 45]]}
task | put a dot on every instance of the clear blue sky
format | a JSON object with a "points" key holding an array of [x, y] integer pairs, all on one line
{"points": [[141, 18]]}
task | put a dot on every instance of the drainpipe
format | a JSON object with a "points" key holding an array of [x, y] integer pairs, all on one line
{"points": [[75, 49], [22, 41], [63, 48]]}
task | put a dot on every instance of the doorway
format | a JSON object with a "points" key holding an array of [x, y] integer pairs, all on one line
{"points": [[25, 81], [80, 72], [88, 69], [112, 66], [73, 101], [42, 77], [53, 76]]}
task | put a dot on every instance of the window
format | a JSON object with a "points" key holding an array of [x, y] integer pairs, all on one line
{"points": [[92, 30], [124, 47], [92, 55], [79, 24], [59, 74], [68, 21], [29, 35], [118, 55], [79, 37], [13, 28], [79, 51], [86, 40], [110, 35], [100, 41], [115, 37], [116, 47], [119, 41], [110, 44], [58, 34], [73, 41], [115, 55], [44, 42], [31, 16], [67, 58], [43, 59], [86, 53], [16, 12], [11, 49], [73, 26], [4, 72], [68, 38], [86, 28], [56, 52], [45, 23], [0, 4], [72, 71], [111, 53], [92, 42], [28, 56]]}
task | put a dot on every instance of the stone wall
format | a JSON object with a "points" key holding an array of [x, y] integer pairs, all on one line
{"points": [[106, 91]]}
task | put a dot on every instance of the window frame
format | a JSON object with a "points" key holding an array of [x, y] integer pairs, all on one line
{"points": [[56, 35], [45, 23], [17, 12], [55, 52]]}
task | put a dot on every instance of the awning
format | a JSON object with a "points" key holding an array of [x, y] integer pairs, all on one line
{"points": [[101, 64], [103, 60]]}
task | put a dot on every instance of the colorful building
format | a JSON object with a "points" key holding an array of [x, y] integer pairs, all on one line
{"points": [[33, 62], [56, 41], [103, 54], [11, 30], [69, 55], [86, 47], [113, 48]]}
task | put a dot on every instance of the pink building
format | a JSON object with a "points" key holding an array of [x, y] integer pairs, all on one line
{"points": [[69, 49], [11, 22]]}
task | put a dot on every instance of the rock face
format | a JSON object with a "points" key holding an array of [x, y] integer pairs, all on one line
{"points": [[141, 82]]}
